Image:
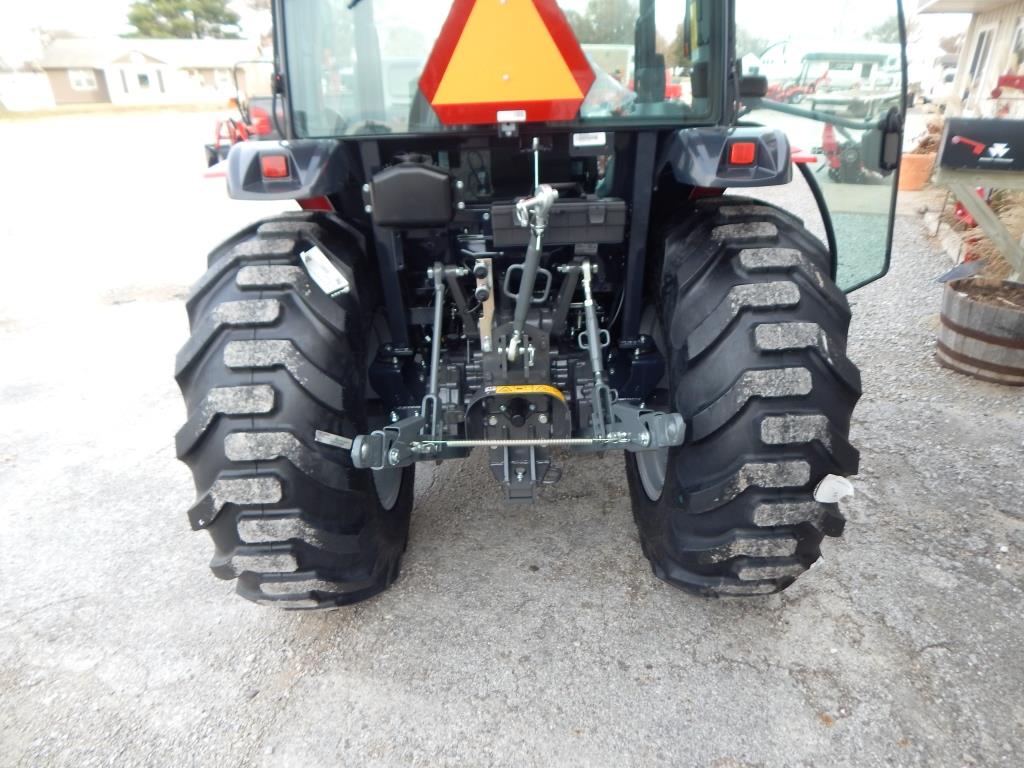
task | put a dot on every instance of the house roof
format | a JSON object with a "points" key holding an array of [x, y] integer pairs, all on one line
{"points": [[96, 53], [960, 6]]}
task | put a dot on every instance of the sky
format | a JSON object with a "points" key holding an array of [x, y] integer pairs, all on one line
{"points": [[771, 20], [84, 17]]}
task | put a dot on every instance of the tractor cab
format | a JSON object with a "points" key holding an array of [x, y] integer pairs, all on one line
{"points": [[470, 84]]}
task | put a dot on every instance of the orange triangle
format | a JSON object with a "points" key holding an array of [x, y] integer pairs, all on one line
{"points": [[505, 54]]}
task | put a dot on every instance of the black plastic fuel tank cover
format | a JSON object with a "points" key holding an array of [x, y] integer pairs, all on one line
{"points": [[412, 193]]}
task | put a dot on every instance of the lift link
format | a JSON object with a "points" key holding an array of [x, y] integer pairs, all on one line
{"points": [[533, 212], [593, 341], [392, 446], [431, 407]]}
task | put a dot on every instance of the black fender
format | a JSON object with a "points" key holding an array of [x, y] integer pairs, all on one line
{"points": [[699, 157], [316, 168]]}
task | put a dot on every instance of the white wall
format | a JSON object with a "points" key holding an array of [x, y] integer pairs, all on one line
{"points": [[166, 85], [25, 91]]}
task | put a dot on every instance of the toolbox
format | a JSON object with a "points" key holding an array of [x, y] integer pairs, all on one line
{"points": [[596, 220]]}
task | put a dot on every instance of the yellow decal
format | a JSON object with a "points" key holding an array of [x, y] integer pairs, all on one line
{"points": [[526, 389]]}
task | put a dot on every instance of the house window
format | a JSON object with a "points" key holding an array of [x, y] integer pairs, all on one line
{"points": [[143, 80], [1018, 45], [979, 61], [82, 79]]}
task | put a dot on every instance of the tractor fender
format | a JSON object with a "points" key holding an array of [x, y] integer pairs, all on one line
{"points": [[699, 157], [315, 168]]}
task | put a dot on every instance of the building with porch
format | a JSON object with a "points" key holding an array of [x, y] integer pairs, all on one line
{"points": [[993, 46]]}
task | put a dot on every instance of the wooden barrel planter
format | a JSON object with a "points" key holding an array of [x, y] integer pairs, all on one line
{"points": [[982, 330]]}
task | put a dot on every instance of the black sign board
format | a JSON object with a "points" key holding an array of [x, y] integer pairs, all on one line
{"points": [[983, 145]]}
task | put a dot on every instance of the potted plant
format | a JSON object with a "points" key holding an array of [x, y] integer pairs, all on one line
{"points": [[916, 165]]}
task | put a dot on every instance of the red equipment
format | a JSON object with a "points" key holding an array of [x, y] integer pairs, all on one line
{"points": [[232, 130]]}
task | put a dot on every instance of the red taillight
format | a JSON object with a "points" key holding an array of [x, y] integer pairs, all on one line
{"points": [[259, 120], [742, 153], [274, 166]]}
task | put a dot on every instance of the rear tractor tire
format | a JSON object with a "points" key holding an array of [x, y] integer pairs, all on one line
{"points": [[755, 334], [271, 359]]}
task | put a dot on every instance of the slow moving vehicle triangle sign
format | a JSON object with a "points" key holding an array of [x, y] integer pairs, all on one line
{"points": [[499, 61]]}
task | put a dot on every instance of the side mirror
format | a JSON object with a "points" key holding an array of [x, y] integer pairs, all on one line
{"points": [[880, 145], [753, 86]]}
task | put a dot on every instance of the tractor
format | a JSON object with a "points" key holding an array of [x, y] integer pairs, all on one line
{"points": [[501, 246], [254, 105]]}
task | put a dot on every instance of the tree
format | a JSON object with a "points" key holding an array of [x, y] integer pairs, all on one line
{"points": [[612, 21], [183, 18], [747, 42], [886, 32], [604, 21], [580, 26], [675, 53]]}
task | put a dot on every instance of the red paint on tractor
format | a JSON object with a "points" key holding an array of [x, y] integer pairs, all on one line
{"points": [[315, 204]]}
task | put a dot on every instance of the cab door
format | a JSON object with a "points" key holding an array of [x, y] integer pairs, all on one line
{"points": [[836, 78]]}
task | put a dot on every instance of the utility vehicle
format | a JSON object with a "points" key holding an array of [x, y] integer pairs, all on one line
{"points": [[533, 258]]}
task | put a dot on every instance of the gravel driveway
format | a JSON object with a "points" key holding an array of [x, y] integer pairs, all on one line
{"points": [[517, 635]]}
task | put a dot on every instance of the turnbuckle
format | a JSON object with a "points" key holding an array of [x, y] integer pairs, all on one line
{"points": [[532, 212]]}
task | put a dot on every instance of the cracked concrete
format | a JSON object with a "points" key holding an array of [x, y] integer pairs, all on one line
{"points": [[525, 636]]}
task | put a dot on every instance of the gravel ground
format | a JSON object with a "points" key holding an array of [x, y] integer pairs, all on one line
{"points": [[516, 635]]}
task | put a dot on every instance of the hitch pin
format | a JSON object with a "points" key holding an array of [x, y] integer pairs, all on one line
{"points": [[329, 438]]}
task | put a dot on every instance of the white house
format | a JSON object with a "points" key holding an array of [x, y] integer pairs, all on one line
{"points": [[143, 71]]}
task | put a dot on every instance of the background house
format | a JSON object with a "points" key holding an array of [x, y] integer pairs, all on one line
{"points": [[993, 46], [143, 71]]}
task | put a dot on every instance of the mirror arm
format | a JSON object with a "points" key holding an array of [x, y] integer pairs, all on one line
{"points": [[813, 114]]}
